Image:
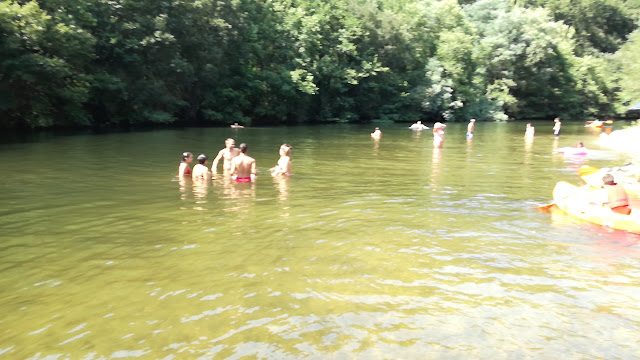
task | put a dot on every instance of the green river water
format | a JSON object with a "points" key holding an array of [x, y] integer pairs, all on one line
{"points": [[372, 250]]}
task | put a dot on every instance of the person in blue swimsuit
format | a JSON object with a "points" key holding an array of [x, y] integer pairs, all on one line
{"points": [[470, 128]]}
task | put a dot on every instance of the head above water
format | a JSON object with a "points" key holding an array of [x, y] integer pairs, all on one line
{"points": [[285, 149], [186, 155], [579, 144], [202, 159], [608, 179], [230, 143], [243, 148]]}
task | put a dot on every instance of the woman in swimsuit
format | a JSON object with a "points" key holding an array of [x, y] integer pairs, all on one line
{"points": [[184, 169], [438, 134], [284, 164]]}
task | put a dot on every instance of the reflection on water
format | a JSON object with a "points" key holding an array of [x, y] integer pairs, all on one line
{"points": [[239, 196], [282, 184], [528, 146], [200, 191], [416, 252], [435, 166]]}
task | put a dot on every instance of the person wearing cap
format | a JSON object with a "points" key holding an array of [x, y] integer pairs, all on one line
{"points": [[228, 153], [243, 167], [184, 169], [470, 128], [200, 171], [613, 195], [376, 134], [438, 134], [556, 127]]}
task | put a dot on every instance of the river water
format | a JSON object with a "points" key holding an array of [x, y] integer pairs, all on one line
{"points": [[372, 250]]}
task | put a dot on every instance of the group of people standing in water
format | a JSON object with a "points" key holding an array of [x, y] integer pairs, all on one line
{"points": [[242, 167], [438, 131], [236, 163]]}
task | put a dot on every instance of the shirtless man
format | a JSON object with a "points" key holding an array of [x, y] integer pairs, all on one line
{"points": [[470, 128], [243, 167], [200, 171], [228, 153]]}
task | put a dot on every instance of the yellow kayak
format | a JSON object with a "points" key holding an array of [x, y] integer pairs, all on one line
{"points": [[575, 201]]}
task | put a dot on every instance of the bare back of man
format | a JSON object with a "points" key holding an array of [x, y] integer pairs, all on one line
{"points": [[243, 167]]}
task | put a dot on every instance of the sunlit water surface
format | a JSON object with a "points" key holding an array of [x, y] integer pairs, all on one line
{"points": [[372, 250]]}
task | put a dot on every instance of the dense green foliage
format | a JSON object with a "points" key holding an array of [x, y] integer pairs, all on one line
{"points": [[128, 62]]}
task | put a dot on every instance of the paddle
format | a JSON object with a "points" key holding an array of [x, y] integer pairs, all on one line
{"points": [[587, 170], [546, 207]]}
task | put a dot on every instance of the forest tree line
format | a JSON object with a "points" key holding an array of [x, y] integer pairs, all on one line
{"points": [[68, 63]]}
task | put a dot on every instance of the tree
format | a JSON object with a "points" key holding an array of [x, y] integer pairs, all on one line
{"points": [[43, 78]]}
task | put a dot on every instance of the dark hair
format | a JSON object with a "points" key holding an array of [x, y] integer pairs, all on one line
{"points": [[202, 158], [243, 148], [608, 179], [185, 155]]}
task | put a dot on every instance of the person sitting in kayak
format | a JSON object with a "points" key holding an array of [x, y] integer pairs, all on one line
{"points": [[616, 197]]}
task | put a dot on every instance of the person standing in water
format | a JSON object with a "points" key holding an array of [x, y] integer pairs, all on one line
{"points": [[529, 132], [184, 169], [470, 128], [200, 171], [376, 134], [243, 167], [418, 126], [556, 127], [438, 134], [283, 168], [228, 153]]}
